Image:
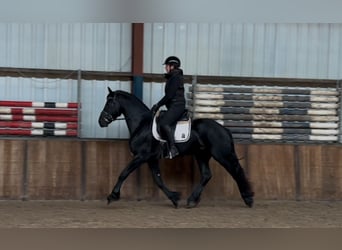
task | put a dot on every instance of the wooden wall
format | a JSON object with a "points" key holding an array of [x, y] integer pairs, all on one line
{"points": [[87, 169]]}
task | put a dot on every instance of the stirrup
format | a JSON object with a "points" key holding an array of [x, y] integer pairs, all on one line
{"points": [[173, 152]]}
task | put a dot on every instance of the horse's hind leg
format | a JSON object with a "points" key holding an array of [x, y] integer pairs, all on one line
{"points": [[231, 163], [173, 196], [202, 159]]}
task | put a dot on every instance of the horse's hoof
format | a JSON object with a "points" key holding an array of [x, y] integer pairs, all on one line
{"points": [[175, 197], [192, 203], [248, 201], [175, 203], [113, 197], [248, 198]]}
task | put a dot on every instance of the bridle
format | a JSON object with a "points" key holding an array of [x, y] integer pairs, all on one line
{"points": [[108, 115]]}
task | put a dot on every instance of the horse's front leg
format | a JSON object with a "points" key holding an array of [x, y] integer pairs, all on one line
{"points": [[133, 165], [173, 196]]}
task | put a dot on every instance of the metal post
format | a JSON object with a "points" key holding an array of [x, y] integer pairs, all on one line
{"points": [[138, 59], [339, 89], [79, 82], [194, 87]]}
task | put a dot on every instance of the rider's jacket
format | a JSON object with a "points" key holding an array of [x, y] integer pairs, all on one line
{"points": [[174, 90]]}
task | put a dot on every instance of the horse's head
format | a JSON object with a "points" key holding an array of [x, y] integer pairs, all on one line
{"points": [[111, 109]]}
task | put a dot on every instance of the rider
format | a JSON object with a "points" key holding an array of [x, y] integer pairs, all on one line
{"points": [[174, 101]]}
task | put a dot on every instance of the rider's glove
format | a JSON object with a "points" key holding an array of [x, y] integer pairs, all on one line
{"points": [[154, 108]]}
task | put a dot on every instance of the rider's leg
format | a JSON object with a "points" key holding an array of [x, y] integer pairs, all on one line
{"points": [[168, 133], [168, 119]]}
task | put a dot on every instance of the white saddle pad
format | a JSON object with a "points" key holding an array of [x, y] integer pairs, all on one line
{"points": [[182, 131]]}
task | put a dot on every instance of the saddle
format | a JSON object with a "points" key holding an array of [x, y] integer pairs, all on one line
{"points": [[182, 128]]}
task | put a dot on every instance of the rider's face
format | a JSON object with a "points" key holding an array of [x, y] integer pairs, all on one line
{"points": [[168, 68]]}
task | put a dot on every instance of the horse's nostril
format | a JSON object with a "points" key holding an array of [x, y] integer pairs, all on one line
{"points": [[102, 123]]}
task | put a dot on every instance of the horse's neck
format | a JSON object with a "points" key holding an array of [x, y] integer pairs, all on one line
{"points": [[133, 112]]}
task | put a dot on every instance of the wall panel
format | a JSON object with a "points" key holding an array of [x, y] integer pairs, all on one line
{"points": [[260, 50], [272, 171], [53, 169], [104, 160], [87, 169], [320, 172], [86, 46], [12, 157]]}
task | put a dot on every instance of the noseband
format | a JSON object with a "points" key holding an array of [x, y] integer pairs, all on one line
{"points": [[107, 116]]}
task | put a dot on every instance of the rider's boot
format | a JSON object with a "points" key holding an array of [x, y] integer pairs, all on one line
{"points": [[173, 151]]}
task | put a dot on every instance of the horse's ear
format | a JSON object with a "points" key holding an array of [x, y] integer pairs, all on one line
{"points": [[110, 90]]}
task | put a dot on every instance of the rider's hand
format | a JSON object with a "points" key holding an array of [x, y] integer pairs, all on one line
{"points": [[154, 108]]}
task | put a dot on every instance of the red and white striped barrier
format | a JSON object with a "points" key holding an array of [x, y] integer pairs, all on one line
{"points": [[39, 118], [37, 132], [46, 125], [37, 111], [39, 104], [21, 118]]}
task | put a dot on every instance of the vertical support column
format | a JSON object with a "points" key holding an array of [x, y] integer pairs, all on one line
{"points": [[138, 80], [79, 82], [137, 59], [339, 89]]}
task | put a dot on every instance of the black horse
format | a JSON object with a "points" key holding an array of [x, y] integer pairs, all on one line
{"points": [[208, 139]]}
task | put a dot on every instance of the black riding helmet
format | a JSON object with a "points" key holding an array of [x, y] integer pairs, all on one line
{"points": [[173, 60]]}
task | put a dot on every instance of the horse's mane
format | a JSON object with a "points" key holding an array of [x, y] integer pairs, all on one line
{"points": [[132, 97], [146, 117]]}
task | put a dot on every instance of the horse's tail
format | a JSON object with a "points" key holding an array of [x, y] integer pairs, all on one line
{"points": [[233, 143], [231, 138]]}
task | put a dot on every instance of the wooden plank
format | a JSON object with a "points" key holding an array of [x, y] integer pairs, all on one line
{"points": [[321, 172], [254, 97], [46, 125], [38, 111], [266, 81], [48, 105], [264, 90], [272, 171], [285, 124], [39, 118], [252, 130], [287, 137], [260, 104], [104, 162], [12, 160], [252, 117], [264, 111], [54, 169], [38, 132]]}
